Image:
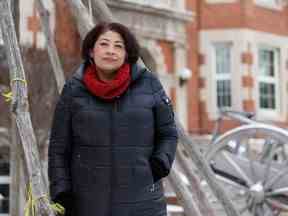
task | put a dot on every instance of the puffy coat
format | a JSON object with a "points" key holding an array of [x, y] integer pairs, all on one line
{"points": [[110, 156]]}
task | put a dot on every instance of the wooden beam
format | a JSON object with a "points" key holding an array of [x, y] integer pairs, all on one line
{"points": [[200, 198], [52, 50], [81, 16], [206, 171], [184, 195]]}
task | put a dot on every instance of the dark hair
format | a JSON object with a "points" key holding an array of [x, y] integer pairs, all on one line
{"points": [[131, 44]]}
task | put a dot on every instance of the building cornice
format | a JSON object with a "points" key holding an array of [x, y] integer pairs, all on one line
{"points": [[152, 22], [171, 13]]}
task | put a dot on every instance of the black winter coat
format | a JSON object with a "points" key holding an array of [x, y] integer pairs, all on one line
{"points": [[107, 158]]}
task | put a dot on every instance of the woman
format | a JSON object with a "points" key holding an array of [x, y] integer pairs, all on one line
{"points": [[113, 136]]}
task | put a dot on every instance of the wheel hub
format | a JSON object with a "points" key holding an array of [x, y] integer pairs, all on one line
{"points": [[257, 192]]}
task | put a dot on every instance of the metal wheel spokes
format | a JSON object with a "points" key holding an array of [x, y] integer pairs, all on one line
{"points": [[269, 162], [276, 178], [237, 168], [254, 157], [252, 164], [278, 192]]}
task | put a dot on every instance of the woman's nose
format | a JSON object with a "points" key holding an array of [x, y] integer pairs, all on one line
{"points": [[110, 50]]}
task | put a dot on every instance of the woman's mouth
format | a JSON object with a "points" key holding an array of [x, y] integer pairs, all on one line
{"points": [[110, 59]]}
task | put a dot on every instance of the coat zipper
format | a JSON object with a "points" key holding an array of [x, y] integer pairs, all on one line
{"points": [[116, 104], [112, 178]]}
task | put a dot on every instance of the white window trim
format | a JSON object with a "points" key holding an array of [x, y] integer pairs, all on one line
{"points": [[269, 113], [175, 5], [220, 1], [153, 3], [276, 5], [207, 94], [221, 76], [5, 179]]}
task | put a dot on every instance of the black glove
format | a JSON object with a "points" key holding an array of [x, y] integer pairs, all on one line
{"points": [[158, 168], [66, 200]]}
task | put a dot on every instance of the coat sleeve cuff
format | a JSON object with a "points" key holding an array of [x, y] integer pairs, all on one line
{"points": [[56, 190], [160, 166]]}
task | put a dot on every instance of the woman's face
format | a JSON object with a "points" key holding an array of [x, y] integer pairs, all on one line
{"points": [[109, 54]]}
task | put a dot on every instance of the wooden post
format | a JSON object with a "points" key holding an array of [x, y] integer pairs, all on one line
{"points": [[200, 197], [20, 110], [206, 171], [17, 167], [52, 50], [101, 11], [81, 16], [184, 195]]}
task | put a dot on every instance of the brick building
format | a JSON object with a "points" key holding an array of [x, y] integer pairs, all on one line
{"points": [[242, 59], [237, 51]]}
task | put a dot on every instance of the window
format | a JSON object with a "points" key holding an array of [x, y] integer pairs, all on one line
{"points": [[162, 3], [223, 74], [267, 78]]}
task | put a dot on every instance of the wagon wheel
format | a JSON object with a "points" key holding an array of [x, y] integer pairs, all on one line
{"points": [[252, 162]]}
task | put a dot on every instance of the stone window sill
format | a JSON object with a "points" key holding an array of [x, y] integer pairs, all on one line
{"points": [[272, 6]]}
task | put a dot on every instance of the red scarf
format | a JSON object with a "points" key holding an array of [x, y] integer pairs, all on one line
{"points": [[110, 89]]}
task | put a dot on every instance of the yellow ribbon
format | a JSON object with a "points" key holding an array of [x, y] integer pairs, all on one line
{"points": [[30, 208], [8, 96], [19, 79], [59, 209]]}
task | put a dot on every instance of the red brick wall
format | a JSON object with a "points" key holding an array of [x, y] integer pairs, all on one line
{"points": [[192, 28], [241, 14], [168, 51], [267, 20], [67, 37], [244, 13], [228, 15]]}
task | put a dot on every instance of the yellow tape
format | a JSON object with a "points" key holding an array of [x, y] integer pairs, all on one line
{"points": [[30, 208], [19, 79], [8, 96]]}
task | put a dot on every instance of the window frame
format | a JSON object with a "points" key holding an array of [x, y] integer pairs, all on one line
{"points": [[262, 78], [222, 76], [153, 3]]}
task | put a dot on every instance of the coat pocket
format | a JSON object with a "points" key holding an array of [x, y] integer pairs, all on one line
{"points": [[143, 176]]}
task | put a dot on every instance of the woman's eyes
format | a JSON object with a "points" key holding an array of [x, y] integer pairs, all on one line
{"points": [[119, 46], [103, 44]]}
